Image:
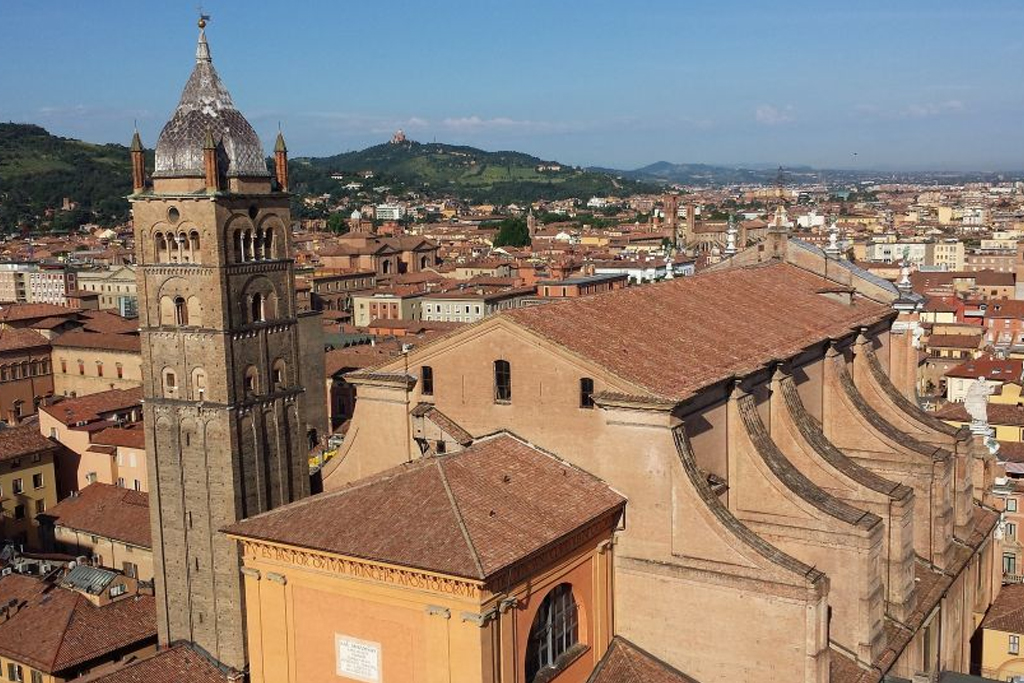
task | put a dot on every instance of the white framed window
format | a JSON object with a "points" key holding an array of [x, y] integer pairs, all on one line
{"points": [[1011, 504], [1014, 645]]}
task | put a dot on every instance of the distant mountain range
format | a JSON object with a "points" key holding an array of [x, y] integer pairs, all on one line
{"points": [[665, 172]]}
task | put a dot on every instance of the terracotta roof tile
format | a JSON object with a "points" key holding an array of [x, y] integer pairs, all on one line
{"points": [[468, 514], [178, 664], [955, 341], [1004, 370], [998, 414], [108, 511], [1007, 612], [16, 339], [55, 628], [23, 440], [624, 662], [18, 312], [675, 337], [99, 340], [72, 411], [128, 437]]}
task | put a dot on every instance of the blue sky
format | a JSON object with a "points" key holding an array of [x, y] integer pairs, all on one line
{"points": [[910, 85]]}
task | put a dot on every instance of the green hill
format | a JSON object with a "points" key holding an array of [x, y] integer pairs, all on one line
{"points": [[469, 173], [38, 170]]}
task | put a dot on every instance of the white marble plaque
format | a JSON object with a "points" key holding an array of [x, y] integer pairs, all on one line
{"points": [[357, 659]]}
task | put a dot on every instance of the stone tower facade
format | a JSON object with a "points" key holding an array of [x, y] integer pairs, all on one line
{"points": [[221, 348]]}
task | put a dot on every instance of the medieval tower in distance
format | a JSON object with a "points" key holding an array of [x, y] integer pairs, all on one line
{"points": [[227, 436]]}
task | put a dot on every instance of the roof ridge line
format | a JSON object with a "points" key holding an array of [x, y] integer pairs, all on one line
{"points": [[64, 632], [458, 518]]}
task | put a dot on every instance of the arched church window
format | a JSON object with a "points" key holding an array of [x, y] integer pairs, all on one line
{"points": [[193, 246], [180, 311], [268, 244], [161, 248], [198, 384], [554, 632], [251, 380], [170, 383], [386, 267], [278, 374], [257, 312]]}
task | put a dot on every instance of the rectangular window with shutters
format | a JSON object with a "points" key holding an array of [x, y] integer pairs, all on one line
{"points": [[586, 392], [37, 480]]}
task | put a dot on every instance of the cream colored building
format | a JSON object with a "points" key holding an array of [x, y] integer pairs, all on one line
{"points": [[108, 525], [116, 288], [90, 362]]}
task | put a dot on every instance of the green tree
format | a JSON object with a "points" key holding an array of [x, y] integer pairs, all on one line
{"points": [[337, 222], [512, 232]]}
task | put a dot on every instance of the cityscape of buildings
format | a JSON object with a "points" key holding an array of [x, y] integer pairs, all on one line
{"points": [[704, 434]]}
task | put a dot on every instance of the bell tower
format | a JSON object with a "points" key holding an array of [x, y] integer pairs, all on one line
{"points": [[225, 434]]}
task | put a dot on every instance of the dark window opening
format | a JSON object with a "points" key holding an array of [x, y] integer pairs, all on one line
{"points": [[427, 380], [586, 392], [502, 381]]}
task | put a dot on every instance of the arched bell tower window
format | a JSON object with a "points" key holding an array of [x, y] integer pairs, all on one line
{"points": [[554, 632], [257, 308], [251, 380], [161, 248], [239, 246], [193, 246], [279, 375], [180, 311], [268, 244], [170, 384]]}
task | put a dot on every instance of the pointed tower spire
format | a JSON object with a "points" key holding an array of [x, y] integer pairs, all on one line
{"points": [[203, 49], [138, 155], [281, 162]]}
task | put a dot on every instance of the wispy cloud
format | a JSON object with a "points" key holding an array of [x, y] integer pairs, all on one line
{"points": [[770, 115], [917, 110]]}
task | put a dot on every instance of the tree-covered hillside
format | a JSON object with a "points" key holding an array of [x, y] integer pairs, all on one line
{"points": [[470, 173], [39, 170]]}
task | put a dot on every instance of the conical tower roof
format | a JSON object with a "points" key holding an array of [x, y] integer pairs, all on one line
{"points": [[206, 106]]}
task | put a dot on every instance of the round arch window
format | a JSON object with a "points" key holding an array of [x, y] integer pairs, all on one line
{"points": [[554, 632], [173, 215]]}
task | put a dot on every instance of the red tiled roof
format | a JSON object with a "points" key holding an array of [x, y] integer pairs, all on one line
{"points": [[129, 437], [178, 664], [359, 356], [672, 338], [1007, 612], [21, 441], [17, 312], [111, 323], [99, 340], [94, 407], [56, 628], [998, 414], [469, 514], [954, 341], [1008, 370], [108, 511], [1004, 308], [16, 339], [624, 662]]}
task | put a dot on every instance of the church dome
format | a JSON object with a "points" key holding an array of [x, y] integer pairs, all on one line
{"points": [[206, 107]]}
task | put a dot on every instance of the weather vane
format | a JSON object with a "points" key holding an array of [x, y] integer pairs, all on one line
{"points": [[203, 18]]}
